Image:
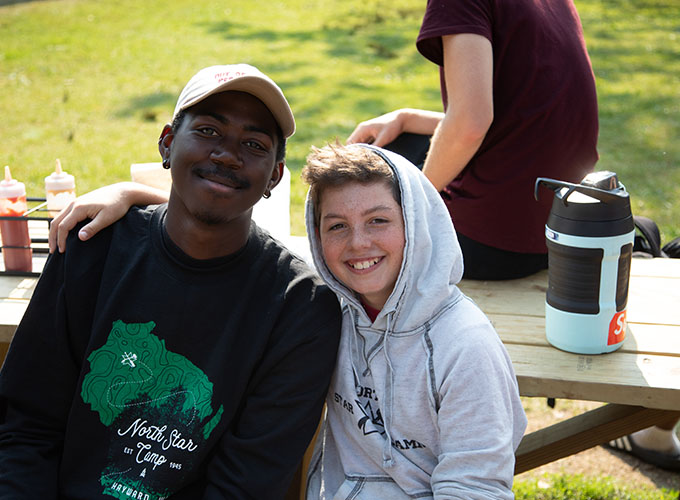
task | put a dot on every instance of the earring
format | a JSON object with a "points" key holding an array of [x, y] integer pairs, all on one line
{"points": [[266, 195], [166, 163]]}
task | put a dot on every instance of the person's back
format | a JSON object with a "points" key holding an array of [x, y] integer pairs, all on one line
{"points": [[423, 402], [544, 114]]}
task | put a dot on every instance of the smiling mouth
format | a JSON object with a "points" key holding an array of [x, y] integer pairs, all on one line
{"points": [[360, 265]]}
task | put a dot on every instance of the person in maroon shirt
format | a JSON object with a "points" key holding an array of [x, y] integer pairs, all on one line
{"points": [[520, 103]]}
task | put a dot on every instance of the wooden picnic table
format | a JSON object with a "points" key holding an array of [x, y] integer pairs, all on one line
{"points": [[640, 381]]}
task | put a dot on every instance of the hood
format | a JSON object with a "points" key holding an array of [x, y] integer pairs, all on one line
{"points": [[432, 264]]}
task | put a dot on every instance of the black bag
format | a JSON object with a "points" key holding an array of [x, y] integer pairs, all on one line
{"points": [[648, 240]]}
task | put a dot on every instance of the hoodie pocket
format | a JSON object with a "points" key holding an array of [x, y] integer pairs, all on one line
{"points": [[366, 488]]}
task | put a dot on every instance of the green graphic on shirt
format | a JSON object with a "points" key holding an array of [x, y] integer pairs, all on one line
{"points": [[125, 490], [134, 362], [157, 407]]}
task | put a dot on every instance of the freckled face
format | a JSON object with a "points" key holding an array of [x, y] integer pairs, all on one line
{"points": [[362, 238]]}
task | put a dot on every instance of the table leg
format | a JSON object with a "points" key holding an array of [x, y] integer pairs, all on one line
{"points": [[581, 432]]}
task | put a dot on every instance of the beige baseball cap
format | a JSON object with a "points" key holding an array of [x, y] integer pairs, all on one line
{"points": [[242, 77]]}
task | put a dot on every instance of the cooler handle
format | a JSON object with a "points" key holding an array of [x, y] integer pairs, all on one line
{"points": [[600, 194]]}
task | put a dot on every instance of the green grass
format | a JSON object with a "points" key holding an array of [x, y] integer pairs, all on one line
{"points": [[92, 82], [575, 487], [635, 50]]}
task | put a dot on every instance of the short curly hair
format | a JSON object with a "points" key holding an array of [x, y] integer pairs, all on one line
{"points": [[337, 165]]}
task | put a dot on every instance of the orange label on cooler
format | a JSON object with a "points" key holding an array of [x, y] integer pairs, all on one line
{"points": [[617, 328]]}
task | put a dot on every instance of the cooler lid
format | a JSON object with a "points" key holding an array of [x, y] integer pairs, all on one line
{"points": [[599, 197]]}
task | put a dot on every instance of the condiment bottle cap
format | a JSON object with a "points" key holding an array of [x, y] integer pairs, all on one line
{"points": [[59, 180], [11, 188]]}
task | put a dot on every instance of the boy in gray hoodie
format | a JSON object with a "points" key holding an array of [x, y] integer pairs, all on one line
{"points": [[424, 401]]}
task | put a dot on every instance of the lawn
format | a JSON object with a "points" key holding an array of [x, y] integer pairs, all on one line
{"points": [[565, 487], [92, 82]]}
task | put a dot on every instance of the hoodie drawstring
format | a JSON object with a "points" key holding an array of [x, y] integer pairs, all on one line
{"points": [[388, 458], [388, 398], [352, 346]]}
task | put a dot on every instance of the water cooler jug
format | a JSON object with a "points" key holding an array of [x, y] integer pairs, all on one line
{"points": [[589, 234]]}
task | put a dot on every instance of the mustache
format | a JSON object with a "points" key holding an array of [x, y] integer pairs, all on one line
{"points": [[225, 174]]}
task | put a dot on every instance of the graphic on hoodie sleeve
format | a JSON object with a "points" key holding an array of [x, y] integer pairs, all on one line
{"points": [[157, 406]]}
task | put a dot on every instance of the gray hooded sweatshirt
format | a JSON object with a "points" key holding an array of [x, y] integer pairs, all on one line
{"points": [[424, 401]]}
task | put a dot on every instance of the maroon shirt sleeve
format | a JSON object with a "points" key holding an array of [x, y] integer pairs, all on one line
{"points": [[451, 18]]}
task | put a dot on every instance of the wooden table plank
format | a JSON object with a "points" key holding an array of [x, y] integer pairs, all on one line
{"points": [[11, 312], [654, 300], [650, 300], [658, 268], [504, 301], [640, 337], [17, 287], [645, 380]]}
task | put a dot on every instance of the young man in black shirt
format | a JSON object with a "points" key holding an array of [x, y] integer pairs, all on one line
{"points": [[183, 352]]}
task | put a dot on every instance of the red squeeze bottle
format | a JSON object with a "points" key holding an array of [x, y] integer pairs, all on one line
{"points": [[16, 242]]}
